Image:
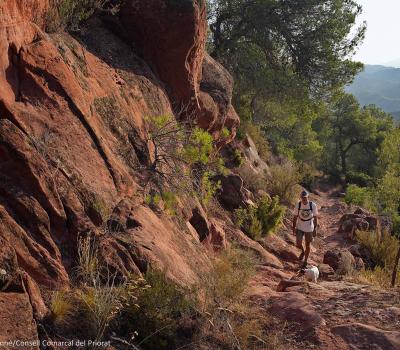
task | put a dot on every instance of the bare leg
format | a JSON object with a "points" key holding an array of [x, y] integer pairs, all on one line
{"points": [[307, 252], [299, 244]]}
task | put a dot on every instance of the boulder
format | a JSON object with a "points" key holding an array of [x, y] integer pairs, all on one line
{"points": [[359, 263], [362, 336], [294, 307], [325, 271], [341, 260], [253, 157], [216, 110], [359, 220], [362, 253], [16, 319], [232, 194]]}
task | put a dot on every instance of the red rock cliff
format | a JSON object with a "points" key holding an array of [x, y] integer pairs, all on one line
{"points": [[72, 126]]}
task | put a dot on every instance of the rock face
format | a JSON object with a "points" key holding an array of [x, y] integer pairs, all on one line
{"points": [[17, 321], [361, 336], [172, 36], [73, 136]]}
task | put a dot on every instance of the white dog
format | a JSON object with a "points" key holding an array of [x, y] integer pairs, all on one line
{"points": [[311, 273]]}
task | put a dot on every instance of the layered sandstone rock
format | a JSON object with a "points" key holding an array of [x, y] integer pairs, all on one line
{"points": [[172, 36]]}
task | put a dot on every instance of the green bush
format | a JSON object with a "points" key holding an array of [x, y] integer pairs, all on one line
{"points": [[270, 213], [158, 314], [247, 219], [69, 14], [358, 178], [361, 196], [238, 158], [261, 220]]}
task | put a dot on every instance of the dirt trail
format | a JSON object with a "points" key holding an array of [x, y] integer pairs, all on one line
{"points": [[337, 301]]}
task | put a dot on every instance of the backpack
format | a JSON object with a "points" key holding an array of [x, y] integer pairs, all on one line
{"points": [[312, 215]]}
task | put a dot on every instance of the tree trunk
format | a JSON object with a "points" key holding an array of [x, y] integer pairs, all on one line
{"points": [[396, 265], [343, 164]]}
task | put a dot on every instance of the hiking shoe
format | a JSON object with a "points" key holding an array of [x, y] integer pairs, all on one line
{"points": [[301, 256]]}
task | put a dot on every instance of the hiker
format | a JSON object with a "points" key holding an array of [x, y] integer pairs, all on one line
{"points": [[305, 225]]}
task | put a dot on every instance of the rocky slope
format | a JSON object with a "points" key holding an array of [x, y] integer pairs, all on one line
{"points": [[73, 134]]}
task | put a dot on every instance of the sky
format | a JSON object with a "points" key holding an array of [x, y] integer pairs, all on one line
{"points": [[382, 41]]}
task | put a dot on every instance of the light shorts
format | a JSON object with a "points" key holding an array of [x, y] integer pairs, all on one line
{"points": [[300, 234]]}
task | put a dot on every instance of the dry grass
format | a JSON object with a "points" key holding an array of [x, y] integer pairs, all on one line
{"points": [[383, 248], [61, 308], [379, 277]]}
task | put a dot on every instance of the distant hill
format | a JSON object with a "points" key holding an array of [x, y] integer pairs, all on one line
{"points": [[379, 85], [394, 63]]}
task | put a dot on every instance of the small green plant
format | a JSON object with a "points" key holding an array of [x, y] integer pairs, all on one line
{"points": [[247, 219], [261, 220], [208, 187], [199, 148], [238, 158]]}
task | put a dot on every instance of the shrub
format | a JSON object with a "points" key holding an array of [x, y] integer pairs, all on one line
{"points": [[238, 158], [361, 196], [88, 267], [359, 178], [227, 279], [225, 314], [252, 180], [247, 219], [260, 220], [159, 322], [283, 182], [381, 247], [69, 14], [270, 213], [208, 187]]}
